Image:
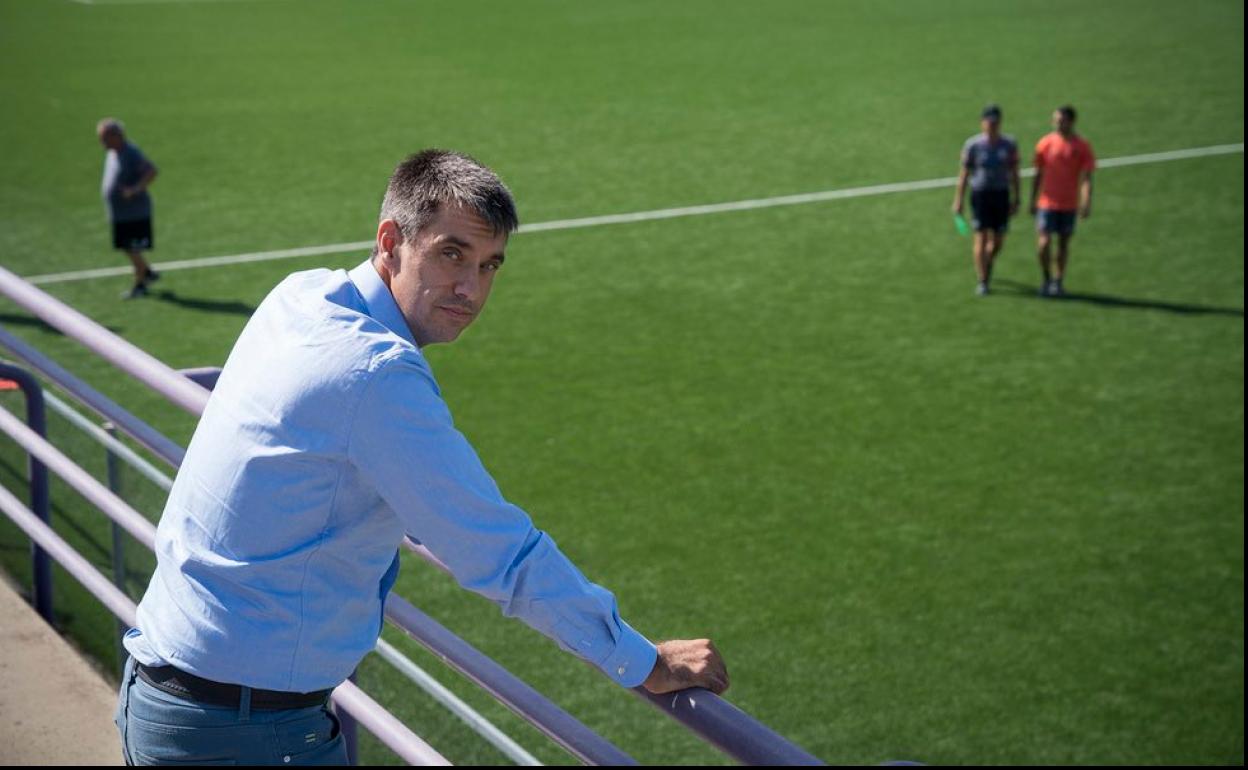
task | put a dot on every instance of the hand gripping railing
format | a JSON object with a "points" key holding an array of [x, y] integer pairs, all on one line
{"points": [[716, 721]]}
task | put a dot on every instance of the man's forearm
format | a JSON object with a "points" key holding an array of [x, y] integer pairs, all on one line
{"points": [[144, 181], [1085, 193]]}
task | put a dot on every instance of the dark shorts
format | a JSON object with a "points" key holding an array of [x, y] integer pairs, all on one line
{"points": [[990, 210], [133, 236], [1053, 221]]}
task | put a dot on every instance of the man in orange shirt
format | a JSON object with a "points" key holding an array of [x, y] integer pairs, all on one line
{"points": [[1061, 189]]}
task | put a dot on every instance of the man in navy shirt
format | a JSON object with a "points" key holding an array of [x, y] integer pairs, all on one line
{"points": [[326, 441], [127, 175]]}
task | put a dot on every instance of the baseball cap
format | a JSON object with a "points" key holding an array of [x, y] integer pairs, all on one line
{"points": [[991, 112]]}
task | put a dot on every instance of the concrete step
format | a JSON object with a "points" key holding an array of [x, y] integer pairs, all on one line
{"points": [[55, 708]]}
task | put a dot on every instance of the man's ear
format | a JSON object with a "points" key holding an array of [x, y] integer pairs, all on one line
{"points": [[389, 238]]}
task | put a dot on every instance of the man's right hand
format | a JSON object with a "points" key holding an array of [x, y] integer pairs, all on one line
{"points": [[686, 663]]}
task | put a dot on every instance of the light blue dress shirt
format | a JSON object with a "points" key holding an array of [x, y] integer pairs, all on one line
{"points": [[324, 442]]}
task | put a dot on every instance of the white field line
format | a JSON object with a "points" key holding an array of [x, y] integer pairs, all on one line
{"points": [[151, 2], [636, 216]]}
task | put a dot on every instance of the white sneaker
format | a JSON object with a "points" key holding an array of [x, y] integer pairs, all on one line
{"points": [[981, 289]]}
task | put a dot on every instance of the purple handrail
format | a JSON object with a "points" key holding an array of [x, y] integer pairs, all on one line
{"points": [[132, 426], [96, 493], [728, 728], [73, 562], [557, 724], [120, 353]]}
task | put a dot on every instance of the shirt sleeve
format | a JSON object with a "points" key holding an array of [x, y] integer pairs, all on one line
{"points": [[404, 443], [967, 160], [1038, 160], [1089, 158]]}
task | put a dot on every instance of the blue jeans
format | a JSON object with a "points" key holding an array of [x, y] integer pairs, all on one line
{"points": [[161, 729]]}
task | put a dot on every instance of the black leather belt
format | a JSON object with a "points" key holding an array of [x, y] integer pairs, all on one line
{"points": [[183, 685]]}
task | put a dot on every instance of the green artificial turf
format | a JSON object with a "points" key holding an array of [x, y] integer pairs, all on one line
{"points": [[920, 525]]}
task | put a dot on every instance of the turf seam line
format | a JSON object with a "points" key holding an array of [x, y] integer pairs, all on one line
{"points": [[636, 216]]}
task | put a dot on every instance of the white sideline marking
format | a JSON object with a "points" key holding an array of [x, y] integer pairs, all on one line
{"points": [[636, 216], [151, 2]]}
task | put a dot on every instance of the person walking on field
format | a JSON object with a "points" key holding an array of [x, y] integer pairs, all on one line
{"points": [[990, 162], [1062, 189], [127, 175]]}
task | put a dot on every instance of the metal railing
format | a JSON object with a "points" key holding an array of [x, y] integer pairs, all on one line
{"points": [[714, 720], [41, 565]]}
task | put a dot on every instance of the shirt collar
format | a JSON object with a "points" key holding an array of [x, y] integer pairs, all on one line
{"points": [[378, 300]]}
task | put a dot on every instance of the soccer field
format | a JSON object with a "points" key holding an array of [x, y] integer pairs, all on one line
{"points": [[919, 524]]}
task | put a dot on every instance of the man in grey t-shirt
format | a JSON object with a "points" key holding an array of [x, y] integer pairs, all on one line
{"points": [[127, 174], [990, 163]]}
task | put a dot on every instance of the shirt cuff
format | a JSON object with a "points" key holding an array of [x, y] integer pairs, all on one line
{"points": [[633, 659]]}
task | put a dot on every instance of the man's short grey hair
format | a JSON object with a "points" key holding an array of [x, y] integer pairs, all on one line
{"points": [[430, 179], [110, 125]]}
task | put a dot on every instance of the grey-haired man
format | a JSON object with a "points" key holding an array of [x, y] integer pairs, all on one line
{"points": [[325, 442], [127, 175]]}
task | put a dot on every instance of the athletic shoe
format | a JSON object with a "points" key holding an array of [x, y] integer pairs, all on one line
{"points": [[136, 291], [1043, 291], [151, 277], [1056, 290], [981, 289]]}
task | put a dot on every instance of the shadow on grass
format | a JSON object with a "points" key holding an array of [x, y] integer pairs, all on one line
{"points": [[209, 305], [1028, 291], [12, 319]]}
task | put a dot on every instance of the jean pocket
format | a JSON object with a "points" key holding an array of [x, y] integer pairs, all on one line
{"points": [[315, 740], [331, 752]]}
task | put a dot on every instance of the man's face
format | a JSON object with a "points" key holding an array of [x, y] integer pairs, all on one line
{"points": [[1062, 123], [441, 278], [110, 138], [989, 125]]}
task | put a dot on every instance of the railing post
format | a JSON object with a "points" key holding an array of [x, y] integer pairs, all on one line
{"points": [[350, 728], [41, 565], [119, 544]]}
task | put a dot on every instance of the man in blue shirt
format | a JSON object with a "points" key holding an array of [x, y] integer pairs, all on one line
{"points": [[127, 175], [325, 441]]}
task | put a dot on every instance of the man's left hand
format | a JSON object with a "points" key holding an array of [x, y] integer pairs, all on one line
{"points": [[686, 663]]}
